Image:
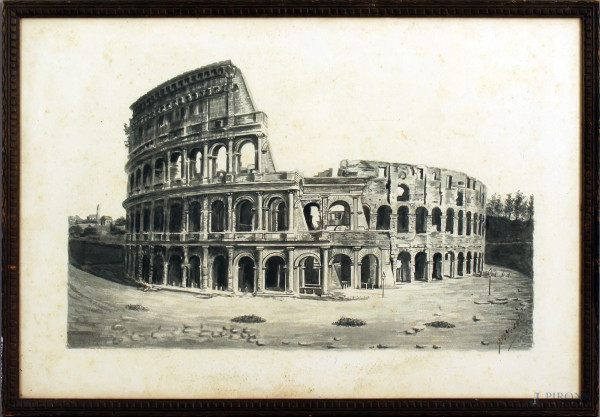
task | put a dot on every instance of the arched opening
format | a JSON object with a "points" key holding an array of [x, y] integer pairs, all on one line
{"points": [[436, 219], [175, 166], [158, 269], [219, 160], [247, 158], [481, 224], [137, 221], [475, 224], [342, 269], [449, 258], [146, 219], [437, 266], [275, 274], [367, 212], [403, 219], [195, 213], [244, 216], [194, 281], [450, 220], [421, 220], [312, 215], [339, 214], [469, 259], [159, 171], [403, 268], [147, 176], [468, 223], [219, 273], [246, 274], [403, 193], [174, 277], [278, 215], [421, 266], [310, 272], [369, 271], [461, 264], [475, 263], [131, 183], [460, 222], [146, 268], [217, 221], [175, 217], [195, 164], [384, 213], [159, 219]]}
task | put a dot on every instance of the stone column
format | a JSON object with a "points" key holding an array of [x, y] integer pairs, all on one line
{"points": [[166, 270], [186, 219], [205, 218], [152, 179], [443, 226], [186, 267], [229, 227], [259, 210], [259, 145], [412, 266], [412, 222], [206, 281], [290, 211], [291, 277], [205, 162], [325, 270], [429, 266], [168, 169], [324, 212], [151, 258], [186, 167], [355, 278], [152, 209], [231, 282], [140, 255], [260, 275], [354, 220], [455, 224], [229, 155]]}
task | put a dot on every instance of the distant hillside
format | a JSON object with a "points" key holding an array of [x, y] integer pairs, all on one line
{"points": [[509, 243]]}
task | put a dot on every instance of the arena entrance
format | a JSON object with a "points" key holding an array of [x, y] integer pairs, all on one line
{"points": [[246, 274], [369, 271], [158, 269], [275, 274], [146, 268], [437, 266], [219, 273], [174, 276], [194, 281], [342, 268], [461, 264], [403, 269], [421, 266]]}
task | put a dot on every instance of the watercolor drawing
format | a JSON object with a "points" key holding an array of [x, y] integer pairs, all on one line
{"points": [[221, 247]]}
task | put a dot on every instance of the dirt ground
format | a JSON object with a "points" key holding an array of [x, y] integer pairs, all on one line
{"points": [[108, 314]]}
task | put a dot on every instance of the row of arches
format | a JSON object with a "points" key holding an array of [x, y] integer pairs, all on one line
{"points": [[196, 163], [173, 220]]}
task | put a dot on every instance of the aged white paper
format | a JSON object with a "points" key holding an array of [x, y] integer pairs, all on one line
{"points": [[497, 98]]}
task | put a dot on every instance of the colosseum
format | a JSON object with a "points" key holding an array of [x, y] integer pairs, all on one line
{"points": [[207, 209]]}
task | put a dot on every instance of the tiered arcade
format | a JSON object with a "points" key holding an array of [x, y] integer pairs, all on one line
{"points": [[206, 207]]}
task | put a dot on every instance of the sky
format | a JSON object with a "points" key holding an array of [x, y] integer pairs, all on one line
{"points": [[493, 98]]}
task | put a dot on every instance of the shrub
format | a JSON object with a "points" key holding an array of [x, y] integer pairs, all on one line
{"points": [[349, 322], [440, 324], [248, 319]]}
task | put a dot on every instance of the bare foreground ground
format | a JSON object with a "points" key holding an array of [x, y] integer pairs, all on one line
{"points": [[99, 317]]}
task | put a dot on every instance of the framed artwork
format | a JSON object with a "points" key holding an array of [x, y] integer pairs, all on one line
{"points": [[301, 208]]}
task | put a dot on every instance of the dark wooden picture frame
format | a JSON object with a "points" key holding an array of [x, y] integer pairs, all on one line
{"points": [[12, 13]]}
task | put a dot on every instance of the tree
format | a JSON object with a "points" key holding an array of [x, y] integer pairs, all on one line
{"points": [[519, 205], [494, 206], [509, 206], [529, 208]]}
